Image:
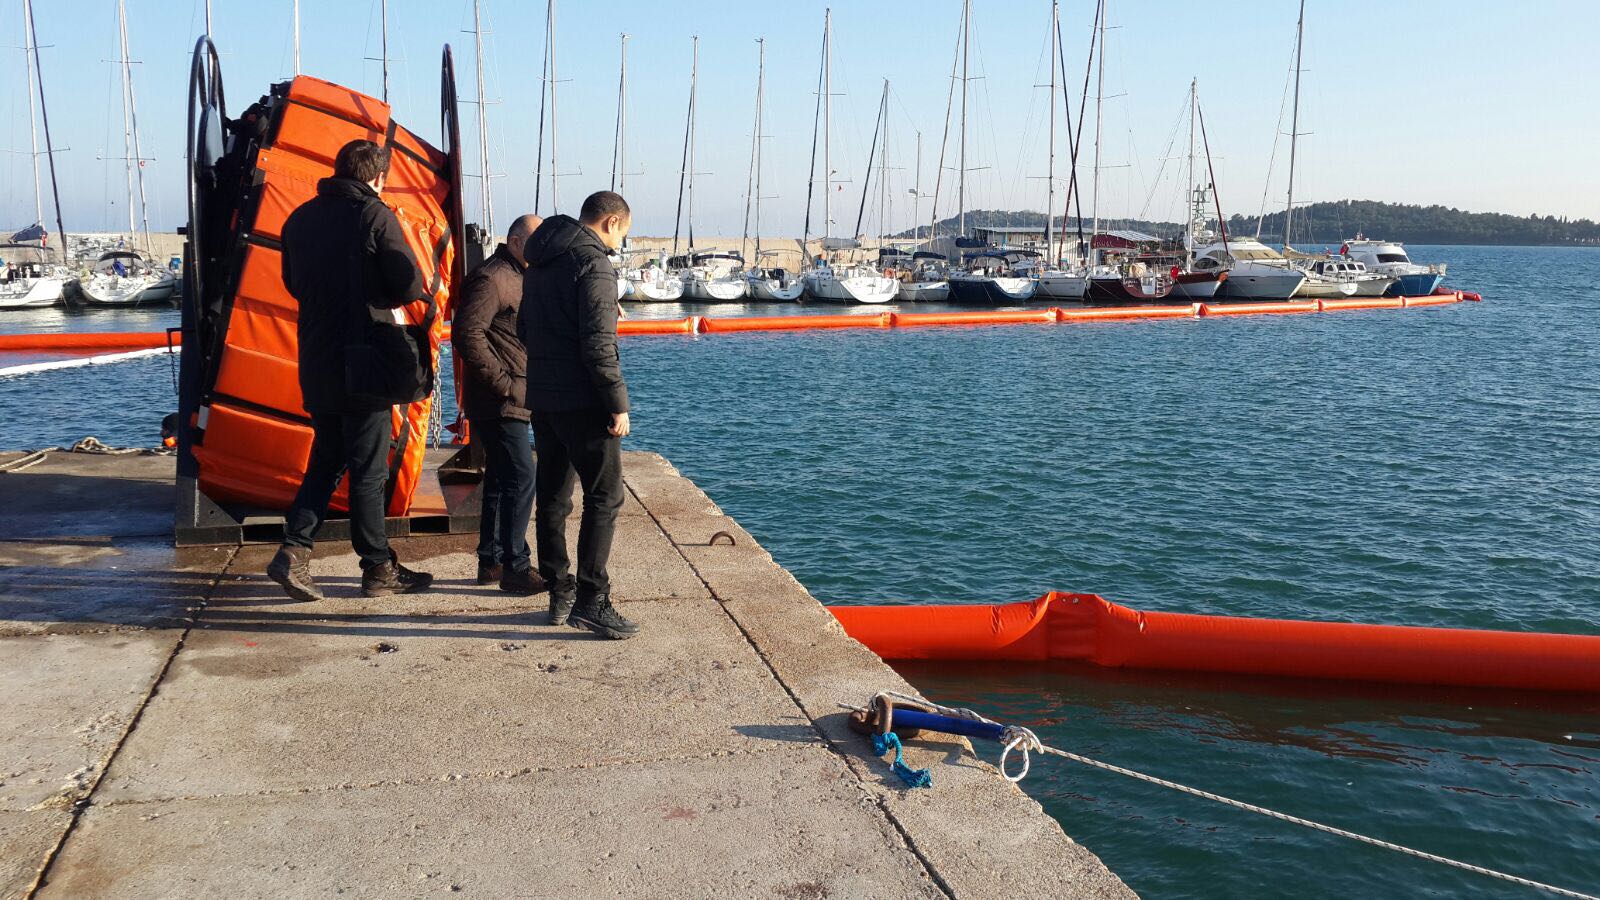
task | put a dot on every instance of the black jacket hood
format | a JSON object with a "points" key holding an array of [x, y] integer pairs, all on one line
{"points": [[346, 187], [558, 235]]}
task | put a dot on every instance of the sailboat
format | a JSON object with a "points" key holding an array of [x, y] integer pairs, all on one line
{"points": [[768, 283], [990, 280], [1191, 282], [124, 276], [715, 276], [829, 281], [648, 281], [1058, 280], [27, 276]]}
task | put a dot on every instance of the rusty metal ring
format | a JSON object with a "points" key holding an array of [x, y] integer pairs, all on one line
{"points": [[721, 534]]}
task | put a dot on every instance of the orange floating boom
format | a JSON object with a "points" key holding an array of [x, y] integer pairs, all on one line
{"points": [[706, 324], [1087, 627]]}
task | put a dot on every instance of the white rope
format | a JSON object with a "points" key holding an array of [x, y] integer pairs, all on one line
{"points": [[1318, 826], [1018, 738], [94, 445], [101, 359], [26, 461]]}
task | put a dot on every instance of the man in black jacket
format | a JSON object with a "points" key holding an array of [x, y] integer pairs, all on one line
{"points": [[347, 264], [579, 403], [494, 370]]}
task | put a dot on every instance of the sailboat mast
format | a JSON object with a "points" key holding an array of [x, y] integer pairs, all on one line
{"points": [[127, 123], [916, 193], [694, 82], [827, 127], [756, 141], [961, 180], [297, 36], [544, 84], [619, 174], [1050, 172], [883, 171], [752, 190], [555, 170], [33, 134], [1188, 229], [1294, 122], [1099, 119], [44, 115], [487, 202], [683, 171], [383, 36]]}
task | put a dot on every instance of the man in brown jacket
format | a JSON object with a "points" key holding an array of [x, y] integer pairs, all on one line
{"points": [[494, 385]]}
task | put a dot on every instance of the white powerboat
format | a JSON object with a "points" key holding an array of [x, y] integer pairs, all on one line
{"points": [[126, 278], [28, 279], [1367, 284], [1255, 271], [711, 276], [1390, 258]]}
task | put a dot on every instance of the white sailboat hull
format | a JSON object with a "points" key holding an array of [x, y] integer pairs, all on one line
{"points": [[1325, 289], [115, 290], [665, 290], [772, 291], [716, 290], [1278, 284], [825, 287], [1062, 286], [33, 293], [924, 291]]}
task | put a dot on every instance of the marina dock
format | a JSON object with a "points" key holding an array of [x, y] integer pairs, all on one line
{"points": [[173, 728]]}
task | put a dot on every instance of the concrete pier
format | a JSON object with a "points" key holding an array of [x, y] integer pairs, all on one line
{"points": [[170, 727]]}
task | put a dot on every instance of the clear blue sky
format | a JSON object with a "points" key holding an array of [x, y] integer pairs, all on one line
{"points": [[1482, 106]]}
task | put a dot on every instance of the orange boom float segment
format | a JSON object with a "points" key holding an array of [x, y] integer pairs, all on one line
{"points": [[1089, 628]]}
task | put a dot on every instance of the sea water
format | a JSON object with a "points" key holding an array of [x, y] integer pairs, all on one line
{"points": [[1436, 466]]}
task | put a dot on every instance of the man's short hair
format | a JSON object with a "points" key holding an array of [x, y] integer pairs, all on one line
{"points": [[361, 160], [601, 204]]}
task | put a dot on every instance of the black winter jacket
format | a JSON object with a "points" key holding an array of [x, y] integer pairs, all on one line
{"points": [[343, 257], [484, 332], [569, 321]]}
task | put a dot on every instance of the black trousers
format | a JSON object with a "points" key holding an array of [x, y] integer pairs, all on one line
{"points": [[577, 447], [357, 443], [507, 492]]}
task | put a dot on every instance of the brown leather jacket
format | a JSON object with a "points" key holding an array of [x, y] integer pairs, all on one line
{"points": [[484, 333]]}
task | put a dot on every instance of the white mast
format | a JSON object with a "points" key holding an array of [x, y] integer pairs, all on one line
{"points": [[555, 172], [1099, 98], [130, 141], [486, 205], [33, 134], [753, 183], [827, 127], [916, 194], [619, 153], [208, 18], [883, 171], [1050, 174], [961, 182], [1294, 125], [1188, 231], [694, 78], [297, 36]]}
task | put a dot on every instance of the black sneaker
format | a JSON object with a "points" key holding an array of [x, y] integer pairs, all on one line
{"points": [[489, 574], [561, 603], [393, 578], [600, 617], [523, 584], [291, 569]]}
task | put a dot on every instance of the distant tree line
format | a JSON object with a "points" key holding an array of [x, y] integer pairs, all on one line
{"points": [[1330, 223]]}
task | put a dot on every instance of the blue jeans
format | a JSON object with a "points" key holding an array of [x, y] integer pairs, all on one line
{"points": [[507, 493], [357, 443]]}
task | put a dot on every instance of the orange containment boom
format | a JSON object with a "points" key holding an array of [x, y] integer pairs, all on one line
{"points": [[1089, 628]]}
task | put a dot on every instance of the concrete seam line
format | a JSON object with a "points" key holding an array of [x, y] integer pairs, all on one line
{"points": [[42, 876], [905, 834]]}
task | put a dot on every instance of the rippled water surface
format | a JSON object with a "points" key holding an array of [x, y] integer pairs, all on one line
{"points": [[1427, 466]]}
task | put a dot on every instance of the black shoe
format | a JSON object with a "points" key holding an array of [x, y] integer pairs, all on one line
{"points": [[393, 578], [561, 603], [291, 569], [523, 584], [600, 617], [489, 574]]}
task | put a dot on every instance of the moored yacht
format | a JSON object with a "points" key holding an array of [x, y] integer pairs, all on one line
{"points": [[28, 278], [992, 279], [711, 276], [849, 283], [773, 284], [925, 278], [1390, 258], [1255, 271], [126, 278], [1367, 284]]}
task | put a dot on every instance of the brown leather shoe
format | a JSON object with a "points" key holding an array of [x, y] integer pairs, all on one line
{"points": [[523, 584], [490, 574], [291, 569]]}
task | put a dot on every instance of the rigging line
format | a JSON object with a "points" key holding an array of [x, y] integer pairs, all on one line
{"points": [[683, 171], [1166, 156], [1074, 190], [944, 139], [1216, 197], [544, 90], [1277, 135], [816, 124], [866, 183]]}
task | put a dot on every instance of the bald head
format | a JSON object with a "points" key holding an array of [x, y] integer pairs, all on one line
{"points": [[521, 230]]}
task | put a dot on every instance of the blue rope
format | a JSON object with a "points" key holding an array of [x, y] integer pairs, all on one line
{"points": [[881, 743]]}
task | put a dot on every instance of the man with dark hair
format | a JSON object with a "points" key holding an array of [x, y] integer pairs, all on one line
{"points": [[347, 264], [494, 380], [579, 404]]}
